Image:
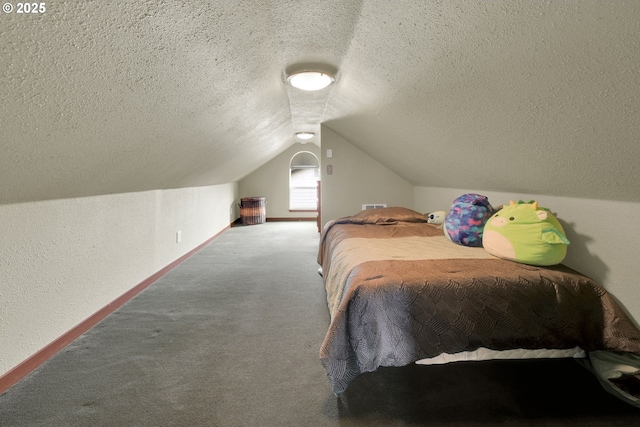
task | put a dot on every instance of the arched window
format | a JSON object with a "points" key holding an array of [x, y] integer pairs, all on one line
{"points": [[304, 172]]}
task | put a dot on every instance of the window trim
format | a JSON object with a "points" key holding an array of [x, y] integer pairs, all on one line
{"points": [[316, 168]]}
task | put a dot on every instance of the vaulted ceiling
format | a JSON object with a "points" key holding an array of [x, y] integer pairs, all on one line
{"points": [[102, 97]]}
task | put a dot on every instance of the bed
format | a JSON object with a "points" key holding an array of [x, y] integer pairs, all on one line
{"points": [[399, 292]]}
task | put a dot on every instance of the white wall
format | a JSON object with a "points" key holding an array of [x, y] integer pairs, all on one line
{"points": [[357, 179], [271, 181], [63, 260], [604, 235]]}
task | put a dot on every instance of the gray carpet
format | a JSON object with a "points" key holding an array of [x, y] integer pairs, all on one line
{"points": [[231, 337]]}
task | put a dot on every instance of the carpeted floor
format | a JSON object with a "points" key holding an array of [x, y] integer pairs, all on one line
{"points": [[231, 337]]}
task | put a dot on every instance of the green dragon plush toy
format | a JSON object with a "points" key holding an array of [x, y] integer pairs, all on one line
{"points": [[525, 233]]}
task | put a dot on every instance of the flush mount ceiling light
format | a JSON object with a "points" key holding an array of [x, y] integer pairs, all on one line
{"points": [[305, 135], [310, 80]]}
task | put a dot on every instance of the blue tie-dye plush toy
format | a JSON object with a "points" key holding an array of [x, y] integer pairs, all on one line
{"points": [[465, 221]]}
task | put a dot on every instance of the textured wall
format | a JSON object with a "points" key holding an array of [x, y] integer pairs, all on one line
{"points": [[603, 235], [271, 181], [356, 179], [63, 260]]}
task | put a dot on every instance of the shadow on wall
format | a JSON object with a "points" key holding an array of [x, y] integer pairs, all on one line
{"points": [[578, 250], [598, 270]]}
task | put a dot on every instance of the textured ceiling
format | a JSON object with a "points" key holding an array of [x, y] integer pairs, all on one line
{"points": [[104, 97]]}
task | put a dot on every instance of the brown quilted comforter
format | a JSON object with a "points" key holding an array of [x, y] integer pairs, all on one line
{"points": [[398, 291]]}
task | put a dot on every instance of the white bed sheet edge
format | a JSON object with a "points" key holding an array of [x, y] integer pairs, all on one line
{"points": [[483, 353]]}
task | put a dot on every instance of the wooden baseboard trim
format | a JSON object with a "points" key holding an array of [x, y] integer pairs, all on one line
{"points": [[30, 364]]}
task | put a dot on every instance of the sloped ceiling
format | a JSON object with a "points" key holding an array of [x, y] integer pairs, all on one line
{"points": [[103, 97]]}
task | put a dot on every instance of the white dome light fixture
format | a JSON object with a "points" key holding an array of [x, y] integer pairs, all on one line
{"points": [[305, 135], [310, 80]]}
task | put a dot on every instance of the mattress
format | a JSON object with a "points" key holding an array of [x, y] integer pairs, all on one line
{"points": [[398, 292]]}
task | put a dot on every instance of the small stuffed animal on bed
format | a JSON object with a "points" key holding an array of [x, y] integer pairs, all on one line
{"points": [[526, 233], [436, 217], [465, 221]]}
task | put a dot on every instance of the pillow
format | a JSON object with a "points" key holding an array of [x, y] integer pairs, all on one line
{"points": [[526, 233], [391, 214], [466, 218]]}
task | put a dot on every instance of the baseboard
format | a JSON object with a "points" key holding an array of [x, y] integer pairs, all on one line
{"points": [[30, 364]]}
